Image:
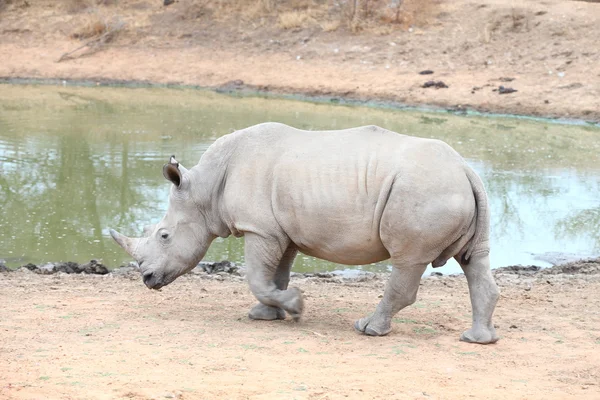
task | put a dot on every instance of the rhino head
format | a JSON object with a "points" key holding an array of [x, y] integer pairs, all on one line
{"points": [[178, 242]]}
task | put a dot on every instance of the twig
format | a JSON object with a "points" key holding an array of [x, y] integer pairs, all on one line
{"points": [[102, 39], [313, 332]]}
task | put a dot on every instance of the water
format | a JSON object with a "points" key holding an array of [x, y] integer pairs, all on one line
{"points": [[75, 161]]}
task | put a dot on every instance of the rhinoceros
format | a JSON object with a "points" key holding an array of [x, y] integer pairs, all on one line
{"points": [[351, 196]]}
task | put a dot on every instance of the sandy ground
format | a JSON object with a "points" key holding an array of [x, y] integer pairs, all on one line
{"points": [[108, 337], [546, 50]]}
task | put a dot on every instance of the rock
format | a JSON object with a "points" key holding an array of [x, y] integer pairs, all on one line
{"points": [[435, 273], [3, 267], [222, 266], [27, 269], [506, 90], [68, 268], [586, 267], [31, 267], [46, 269], [93, 267], [435, 84], [519, 269], [426, 72]]}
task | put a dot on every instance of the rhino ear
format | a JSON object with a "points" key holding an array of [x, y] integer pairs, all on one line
{"points": [[172, 173], [181, 168]]}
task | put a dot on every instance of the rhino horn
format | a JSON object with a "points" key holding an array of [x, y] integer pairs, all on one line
{"points": [[127, 243]]}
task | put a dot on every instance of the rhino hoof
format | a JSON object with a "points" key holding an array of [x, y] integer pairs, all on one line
{"points": [[295, 304], [481, 336], [369, 327], [266, 313]]}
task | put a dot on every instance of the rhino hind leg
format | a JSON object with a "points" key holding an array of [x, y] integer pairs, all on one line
{"points": [[401, 291], [484, 294], [268, 275]]}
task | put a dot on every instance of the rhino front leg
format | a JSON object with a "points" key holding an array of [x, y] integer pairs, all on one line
{"points": [[282, 279], [484, 295], [400, 291], [267, 281]]}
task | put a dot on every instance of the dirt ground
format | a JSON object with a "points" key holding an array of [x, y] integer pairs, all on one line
{"points": [[546, 50], [108, 337]]}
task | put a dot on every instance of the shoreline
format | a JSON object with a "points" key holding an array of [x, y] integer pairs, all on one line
{"points": [[586, 269], [243, 90]]}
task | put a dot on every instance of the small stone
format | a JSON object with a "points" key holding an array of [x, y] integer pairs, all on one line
{"points": [[3, 267], [506, 90], [47, 269], [513, 327], [435, 84], [426, 72]]}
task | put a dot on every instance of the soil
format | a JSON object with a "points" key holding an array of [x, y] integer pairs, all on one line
{"points": [[70, 336], [544, 55]]}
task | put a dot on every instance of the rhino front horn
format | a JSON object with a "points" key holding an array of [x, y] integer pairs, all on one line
{"points": [[128, 244]]}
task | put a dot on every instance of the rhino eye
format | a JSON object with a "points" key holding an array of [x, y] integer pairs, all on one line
{"points": [[164, 235]]}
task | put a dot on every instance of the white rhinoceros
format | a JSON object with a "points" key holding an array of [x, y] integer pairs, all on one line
{"points": [[352, 196]]}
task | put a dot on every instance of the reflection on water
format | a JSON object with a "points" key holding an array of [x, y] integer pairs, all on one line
{"points": [[75, 161]]}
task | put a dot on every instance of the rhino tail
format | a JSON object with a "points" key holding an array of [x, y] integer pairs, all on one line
{"points": [[480, 240]]}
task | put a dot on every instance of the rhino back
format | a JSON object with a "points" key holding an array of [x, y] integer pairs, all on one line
{"points": [[327, 190]]}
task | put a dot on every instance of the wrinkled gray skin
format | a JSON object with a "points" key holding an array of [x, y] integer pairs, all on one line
{"points": [[354, 196]]}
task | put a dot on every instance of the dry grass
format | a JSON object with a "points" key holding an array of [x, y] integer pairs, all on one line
{"points": [[330, 26], [94, 25], [293, 19], [370, 16], [89, 27]]}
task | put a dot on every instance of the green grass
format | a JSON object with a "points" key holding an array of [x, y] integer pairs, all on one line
{"points": [[424, 330]]}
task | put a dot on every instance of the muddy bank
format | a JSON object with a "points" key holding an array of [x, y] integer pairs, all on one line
{"points": [[584, 269]]}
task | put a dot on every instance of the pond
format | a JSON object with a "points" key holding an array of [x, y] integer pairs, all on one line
{"points": [[75, 161]]}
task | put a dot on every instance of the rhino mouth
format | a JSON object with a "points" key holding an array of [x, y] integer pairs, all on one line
{"points": [[153, 280]]}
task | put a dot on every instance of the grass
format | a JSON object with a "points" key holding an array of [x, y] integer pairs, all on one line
{"points": [[293, 19], [405, 321], [90, 26], [95, 25], [424, 330]]}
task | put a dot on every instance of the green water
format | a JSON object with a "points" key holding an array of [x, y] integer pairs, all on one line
{"points": [[75, 161]]}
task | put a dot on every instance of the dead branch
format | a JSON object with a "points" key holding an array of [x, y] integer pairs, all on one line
{"points": [[94, 44]]}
